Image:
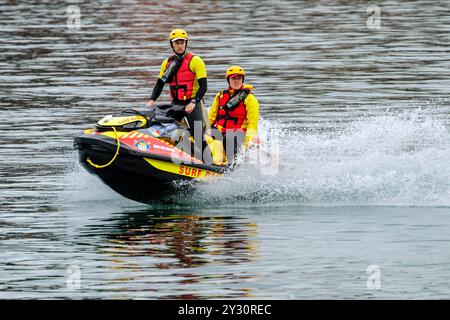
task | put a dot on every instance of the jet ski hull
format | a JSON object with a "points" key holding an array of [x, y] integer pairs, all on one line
{"points": [[142, 176]]}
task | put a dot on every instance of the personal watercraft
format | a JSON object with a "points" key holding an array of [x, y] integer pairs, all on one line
{"points": [[144, 154]]}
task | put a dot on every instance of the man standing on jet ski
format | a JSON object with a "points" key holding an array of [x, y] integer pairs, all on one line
{"points": [[185, 73], [235, 113]]}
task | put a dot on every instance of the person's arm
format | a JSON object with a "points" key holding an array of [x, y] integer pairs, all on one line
{"points": [[213, 110], [157, 89], [203, 87], [199, 68], [252, 106]]}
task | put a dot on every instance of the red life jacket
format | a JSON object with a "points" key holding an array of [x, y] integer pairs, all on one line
{"points": [[182, 83], [231, 118]]}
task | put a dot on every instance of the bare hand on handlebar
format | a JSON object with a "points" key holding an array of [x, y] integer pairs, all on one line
{"points": [[190, 107], [150, 103]]}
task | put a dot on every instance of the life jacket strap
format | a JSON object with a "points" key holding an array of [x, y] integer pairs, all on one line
{"points": [[175, 63], [234, 101], [227, 118]]}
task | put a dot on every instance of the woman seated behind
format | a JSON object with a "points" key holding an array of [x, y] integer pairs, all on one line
{"points": [[235, 113]]}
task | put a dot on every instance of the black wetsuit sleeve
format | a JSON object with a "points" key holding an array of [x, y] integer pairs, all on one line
{"points": [[157, 89], [203, 86]]}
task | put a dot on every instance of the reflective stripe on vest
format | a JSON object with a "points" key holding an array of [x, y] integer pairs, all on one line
{"points": [[230, 119], [182, 83]]}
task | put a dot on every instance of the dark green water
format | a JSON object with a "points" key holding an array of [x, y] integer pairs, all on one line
{"points": [[362, 180]]}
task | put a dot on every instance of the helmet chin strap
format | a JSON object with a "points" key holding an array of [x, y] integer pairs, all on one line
{"points": [[185, 49]]}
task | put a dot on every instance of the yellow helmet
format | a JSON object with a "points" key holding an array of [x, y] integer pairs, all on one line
{"points": [[235, 70], [178, 34]]}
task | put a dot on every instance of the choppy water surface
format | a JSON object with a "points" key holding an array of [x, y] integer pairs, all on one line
{"points": [[363, 177]]}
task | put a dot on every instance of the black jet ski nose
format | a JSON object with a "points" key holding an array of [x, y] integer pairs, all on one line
{"points": [[135, 153]]}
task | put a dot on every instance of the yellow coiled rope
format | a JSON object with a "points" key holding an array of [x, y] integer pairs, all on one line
{"points": [[112, 160]]}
